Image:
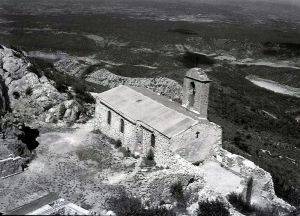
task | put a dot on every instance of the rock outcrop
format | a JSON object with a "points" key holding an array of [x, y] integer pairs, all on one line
{"points": [[30, 95]]}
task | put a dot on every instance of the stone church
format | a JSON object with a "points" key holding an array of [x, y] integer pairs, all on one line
{"points": [[144, 120]]}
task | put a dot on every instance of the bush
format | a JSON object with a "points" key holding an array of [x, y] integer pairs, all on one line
{"points": [[212, 208], [249, 190], [118, 143], [237, 201], [126, 152], [244, 206], [150, 155], [131, 206], [176, 190], [28, 91], [16, 95]]}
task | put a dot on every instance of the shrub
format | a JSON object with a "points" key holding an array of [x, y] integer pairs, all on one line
{"points": [[131, 206], [176, 190], [28, 91], [212, 208], [244, 206], [249, 190], [61, 86], [150, 155], [82, 93], [124, 205], [118, 143], [126, 152], [16, 95], [237, 201]]}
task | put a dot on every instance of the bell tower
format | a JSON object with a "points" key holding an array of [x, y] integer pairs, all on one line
{"points": [[196, 91]]}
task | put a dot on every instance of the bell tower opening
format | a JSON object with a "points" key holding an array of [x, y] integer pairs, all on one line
{"points": [[192, 93], [196, 91]]}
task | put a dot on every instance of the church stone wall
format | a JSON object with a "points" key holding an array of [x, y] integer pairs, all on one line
{"points": [[162, 153], [128, 138], [197, 148]]}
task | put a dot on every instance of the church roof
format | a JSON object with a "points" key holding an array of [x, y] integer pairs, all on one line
{"points": [[140, 104], [197, 74]]}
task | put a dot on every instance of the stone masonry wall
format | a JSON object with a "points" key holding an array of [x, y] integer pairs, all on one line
{"points": [[128, 138], [194, 149], [161, 149], [10, 166]]}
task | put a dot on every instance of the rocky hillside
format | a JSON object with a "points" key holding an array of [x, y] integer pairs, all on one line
{"points": [[31, 94], [29, 98]]}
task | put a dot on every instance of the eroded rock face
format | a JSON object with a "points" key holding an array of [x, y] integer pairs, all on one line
{"points": [[29, 94]]}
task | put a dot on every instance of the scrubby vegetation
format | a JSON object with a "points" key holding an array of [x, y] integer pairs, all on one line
{"points": [[176, 190], [268, 142], [244, 207], [63, 81], [125, 205], [212, 208]]}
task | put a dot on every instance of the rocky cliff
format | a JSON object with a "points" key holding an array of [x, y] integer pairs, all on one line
{"points": [[31, 95]]}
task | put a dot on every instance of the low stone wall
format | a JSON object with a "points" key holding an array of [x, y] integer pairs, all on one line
{"points": [[10, 166], [263, 193]]}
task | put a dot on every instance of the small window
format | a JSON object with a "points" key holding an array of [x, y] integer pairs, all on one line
{"points": [[109, 117], [122, 126], [152, 140]]}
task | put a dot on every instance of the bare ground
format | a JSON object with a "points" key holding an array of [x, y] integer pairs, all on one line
{"points": [[79, 165]]}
